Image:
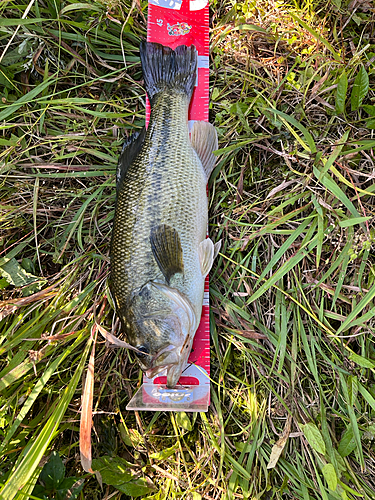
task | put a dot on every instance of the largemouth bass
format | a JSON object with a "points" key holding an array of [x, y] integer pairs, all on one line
{"points": [[159, 251]]}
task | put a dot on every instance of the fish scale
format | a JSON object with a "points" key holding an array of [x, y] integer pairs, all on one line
{"points": [[159, 252], [166, 184]]}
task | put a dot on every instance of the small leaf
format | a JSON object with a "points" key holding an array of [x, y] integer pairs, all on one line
{"points": [[53, 472], [70, 488], [114, 470], [352, 389], [314, 437], [131, 437], [167, 452], [360, 88], [347, 443], [278, 447], [342, 87], [15, 274], [183, 420], [136, 488], [361, 361], [196, 496], [370, 109], [39, 492], [79, 6], [330, 476]]}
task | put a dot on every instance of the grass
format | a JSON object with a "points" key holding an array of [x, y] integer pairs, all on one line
{"points": [[292, 317]]}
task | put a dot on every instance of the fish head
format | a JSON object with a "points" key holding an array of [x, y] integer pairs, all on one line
{"points": [[163, 328]]}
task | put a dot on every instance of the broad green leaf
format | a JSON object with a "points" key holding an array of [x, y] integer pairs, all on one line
{"points": [[136, 488], [370, 109], [347, 443], [114, 470], [361, 361], [314, 437], [15, 274], [69, 488], [330, 476], [342, 88], [360, 88], [131, 437], [183, 420], [371, 124], [53, 472]]}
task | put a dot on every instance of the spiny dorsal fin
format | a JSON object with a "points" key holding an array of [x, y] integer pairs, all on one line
{"points": [[204, 140], [130, 149], [167, 250], [207, 252]]}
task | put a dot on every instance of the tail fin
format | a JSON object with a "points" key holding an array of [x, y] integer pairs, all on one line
{"points": [[168, 69]]}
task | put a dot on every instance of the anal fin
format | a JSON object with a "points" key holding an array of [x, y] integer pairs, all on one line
{"points": [[166, 248], [208, 251], [204, 140]]}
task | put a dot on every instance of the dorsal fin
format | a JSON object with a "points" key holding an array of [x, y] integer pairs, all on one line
{"points": [[167, 250], [204, 140], [130, 149]]}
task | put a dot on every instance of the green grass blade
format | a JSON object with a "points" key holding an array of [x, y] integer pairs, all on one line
{"points": [[34, 452], [357, 310], [316, 35]]}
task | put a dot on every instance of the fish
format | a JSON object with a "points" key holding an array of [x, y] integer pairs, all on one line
{"points": [[160, 253]]}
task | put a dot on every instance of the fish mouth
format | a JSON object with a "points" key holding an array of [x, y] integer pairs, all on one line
{"points": [[174, 359], [173, 373], [170, 358]]}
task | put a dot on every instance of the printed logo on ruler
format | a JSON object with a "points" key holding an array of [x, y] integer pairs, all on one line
{"points": [[178, 29]]}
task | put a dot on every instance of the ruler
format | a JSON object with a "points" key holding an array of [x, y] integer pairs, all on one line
{"points": [[173, 23]]}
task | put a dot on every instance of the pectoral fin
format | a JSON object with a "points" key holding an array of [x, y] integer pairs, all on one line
{"points": [[167, 250], [207, 253], [204, 140]]}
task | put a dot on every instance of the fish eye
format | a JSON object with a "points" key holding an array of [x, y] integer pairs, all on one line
{"points": [[143, 351]]}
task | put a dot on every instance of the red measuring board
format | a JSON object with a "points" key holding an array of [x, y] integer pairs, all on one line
{"points": [[173, 23]]}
